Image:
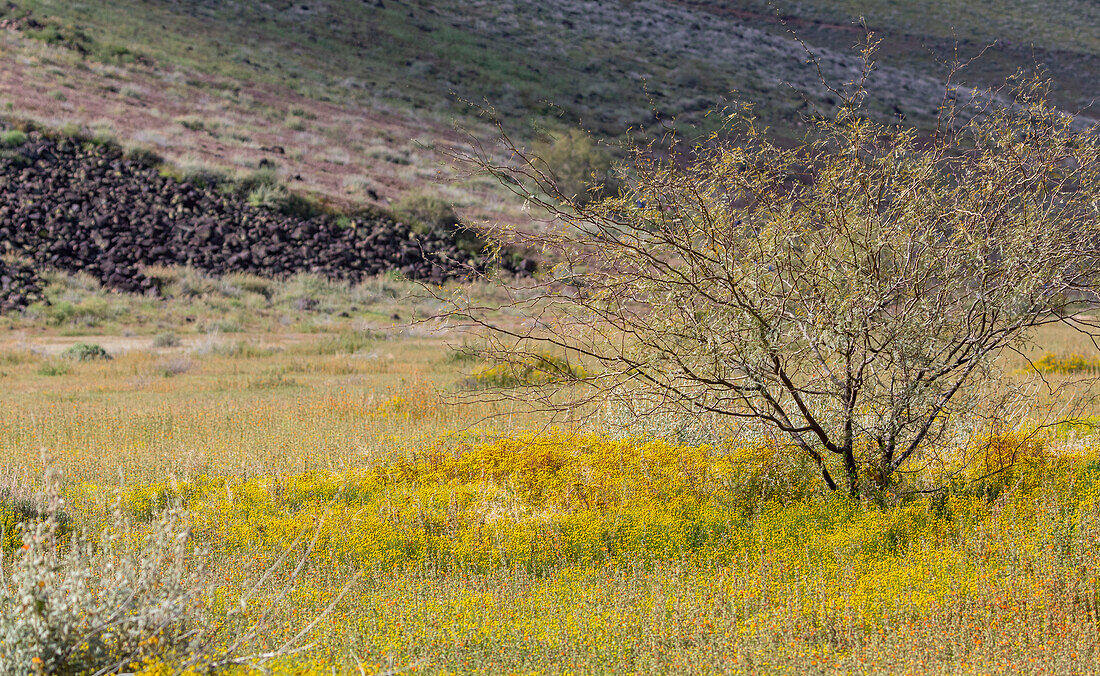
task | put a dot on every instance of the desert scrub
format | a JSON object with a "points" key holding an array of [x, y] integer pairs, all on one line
{"points": [[86, 352], [582, 169], [425, 211], [100, 605], [166, 340], [137, 598]]}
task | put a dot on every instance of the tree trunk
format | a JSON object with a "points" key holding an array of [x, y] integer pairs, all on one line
{"points": [[852, 470]]}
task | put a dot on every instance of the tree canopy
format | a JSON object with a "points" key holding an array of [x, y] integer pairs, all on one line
{"points": [[850, 294]]}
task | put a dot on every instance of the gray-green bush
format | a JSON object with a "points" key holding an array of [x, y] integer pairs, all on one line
{"points": [[80, 606], [86, 352], [135, 595]]}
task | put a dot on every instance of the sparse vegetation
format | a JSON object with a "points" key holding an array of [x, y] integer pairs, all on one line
{"points": [[167, 62]]}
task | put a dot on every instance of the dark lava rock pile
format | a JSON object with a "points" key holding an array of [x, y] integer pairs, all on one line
{"points": [[19, 285], [73, 207]]}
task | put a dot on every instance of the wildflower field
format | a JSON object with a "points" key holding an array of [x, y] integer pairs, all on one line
{"points": [[344, 517]]}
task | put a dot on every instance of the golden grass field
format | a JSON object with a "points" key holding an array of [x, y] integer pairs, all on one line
{"points": [[476, 539]]}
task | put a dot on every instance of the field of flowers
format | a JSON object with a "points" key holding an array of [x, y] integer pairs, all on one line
{"points": [[339, 505]]}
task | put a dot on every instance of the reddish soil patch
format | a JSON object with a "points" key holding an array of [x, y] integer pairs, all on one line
{"points": [[348, 155]]}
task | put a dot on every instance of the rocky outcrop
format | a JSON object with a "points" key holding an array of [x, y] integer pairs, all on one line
{"points": [[84, 208], [19, 285]]}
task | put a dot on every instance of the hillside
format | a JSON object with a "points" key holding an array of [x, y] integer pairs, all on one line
{"points": [[353, 99]]}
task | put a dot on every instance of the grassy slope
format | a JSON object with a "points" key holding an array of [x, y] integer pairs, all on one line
{"points": [[359, 94], [520, 55], [1061, 39]]}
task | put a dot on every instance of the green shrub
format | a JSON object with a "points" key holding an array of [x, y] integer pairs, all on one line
{"points": [[192, 122], [267, 197], [86, 352], [166, 340], [89, 311], [70, 130], [12, 138], [102, 137], [262, 189], [581, 169], [144, 156], [93, 311], [202, 176], [426, 213], [223, 326], [55, 313], [54, 369], [113, 53]]}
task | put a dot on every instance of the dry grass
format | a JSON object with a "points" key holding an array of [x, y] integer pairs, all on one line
{"points": [[495, 552], [240, 406]]}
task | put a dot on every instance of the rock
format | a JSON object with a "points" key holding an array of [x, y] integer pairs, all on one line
{"points": [[90, 210]]}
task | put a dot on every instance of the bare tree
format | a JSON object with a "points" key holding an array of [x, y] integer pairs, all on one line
{"points": [[851, 293]]}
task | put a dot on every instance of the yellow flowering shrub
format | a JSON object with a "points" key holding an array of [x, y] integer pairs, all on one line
{"points": [[1073, 363], [11, 525], [585, 549], [539, 501]]}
